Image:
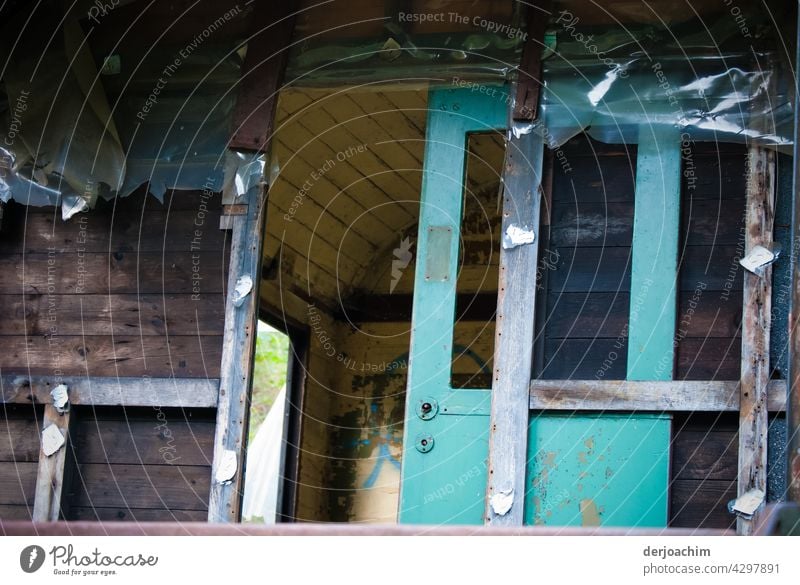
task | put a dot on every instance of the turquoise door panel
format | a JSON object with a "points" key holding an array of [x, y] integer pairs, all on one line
{"points": [[444, 480], [593, 470], [450, 480], [654, 266]]}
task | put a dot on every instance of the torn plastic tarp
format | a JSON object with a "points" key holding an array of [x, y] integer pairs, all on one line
{"points": [[723, 98], [606, 81], [171, 132], [243, 171], [59, 138], [701, 76]]}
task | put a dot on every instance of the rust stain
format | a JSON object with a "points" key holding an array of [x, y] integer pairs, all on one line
{"points": [[590, 516], [589, 443], [582, 459], [550, 459]]}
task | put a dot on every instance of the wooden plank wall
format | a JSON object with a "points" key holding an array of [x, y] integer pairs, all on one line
{"points": [[111, 293], [144, 464], [19, 457], [589, 261]]}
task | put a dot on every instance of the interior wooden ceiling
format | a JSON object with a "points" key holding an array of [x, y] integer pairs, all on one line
{"points": [[347, 188]]}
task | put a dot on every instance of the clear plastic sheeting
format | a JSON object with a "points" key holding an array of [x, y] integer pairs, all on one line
{"points": [[724, 98], [243, 171], [714, 72]]}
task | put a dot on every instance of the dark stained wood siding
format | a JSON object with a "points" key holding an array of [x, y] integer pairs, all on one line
{"points": [[705, 447], [588, 261], [712, 241], [142, 464], [111, 292], [19, 457]]}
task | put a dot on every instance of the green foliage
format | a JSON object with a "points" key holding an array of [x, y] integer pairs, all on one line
{"points": [[269, 374]]}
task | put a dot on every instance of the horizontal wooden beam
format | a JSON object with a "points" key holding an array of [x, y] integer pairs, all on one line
{"points": [[163, 392], [662, 396]]}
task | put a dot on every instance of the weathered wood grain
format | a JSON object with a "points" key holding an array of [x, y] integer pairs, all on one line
{"points": [[113, 314], [51, 468], [756, 323], [163, 439], [19, 439], [236, 369], [514, 332], [112, 391], [118, 272], [155, 229], [654, 396], [701, 503], [155, 487], [180, 356], [125, 514], [17, 483]]}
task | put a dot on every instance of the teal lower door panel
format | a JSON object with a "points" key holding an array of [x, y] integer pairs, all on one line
{"points": [[593, 470], [448, 485]]}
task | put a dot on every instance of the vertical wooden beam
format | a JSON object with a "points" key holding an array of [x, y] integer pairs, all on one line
{"points": [[50, 476], [529, 82], [267, 51], [514, 332], [236, 373], [757, 295]]}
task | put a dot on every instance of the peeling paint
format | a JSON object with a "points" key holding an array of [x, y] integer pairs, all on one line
{"points": [[244, 285], [590, 516]]}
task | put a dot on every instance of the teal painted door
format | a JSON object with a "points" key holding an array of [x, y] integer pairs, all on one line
{"points": [[446, 436]]}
